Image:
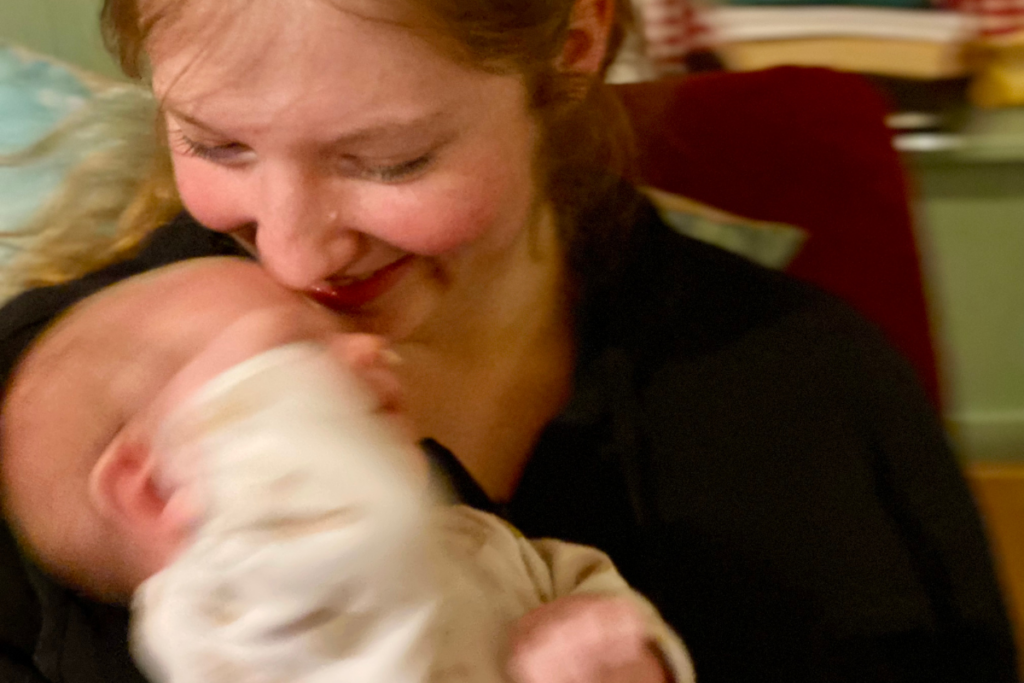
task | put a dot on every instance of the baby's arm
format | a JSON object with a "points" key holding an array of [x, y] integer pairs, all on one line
{"points": [[593, 627], [307, 557]]}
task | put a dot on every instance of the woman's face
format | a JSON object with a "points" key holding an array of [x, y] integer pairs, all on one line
{"points": [[361, 162]]}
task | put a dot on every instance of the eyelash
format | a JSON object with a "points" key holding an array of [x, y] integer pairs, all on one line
{"points": [[402, 171], [218, 154], [224, 154]]}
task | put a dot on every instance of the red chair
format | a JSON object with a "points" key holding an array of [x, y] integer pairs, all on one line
{"points": [[808, 147]]}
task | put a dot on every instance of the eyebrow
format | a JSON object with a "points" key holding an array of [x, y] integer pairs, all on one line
{"points": [[373, 131], [191, 120], [423, 124]]}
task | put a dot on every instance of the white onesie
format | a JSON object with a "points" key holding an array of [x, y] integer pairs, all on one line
{"points": [[319, 558]]}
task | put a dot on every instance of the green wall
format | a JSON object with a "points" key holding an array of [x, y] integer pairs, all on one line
{"points": [[66, 29], [971, 229]]}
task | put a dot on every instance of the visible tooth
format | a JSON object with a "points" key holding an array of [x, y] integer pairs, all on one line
{"points": [[391, 357], [351, 279]]}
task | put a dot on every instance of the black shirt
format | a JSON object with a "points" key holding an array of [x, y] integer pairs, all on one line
{"points": [[751, 453]]}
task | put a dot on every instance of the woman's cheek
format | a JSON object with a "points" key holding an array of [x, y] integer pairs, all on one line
{"points": [[213, 197], [444, 218]]}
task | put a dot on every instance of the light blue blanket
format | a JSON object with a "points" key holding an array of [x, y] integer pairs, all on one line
{"points": [[36, 94]]}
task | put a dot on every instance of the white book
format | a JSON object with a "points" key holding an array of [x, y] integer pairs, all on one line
{"points": [[742, 24]]}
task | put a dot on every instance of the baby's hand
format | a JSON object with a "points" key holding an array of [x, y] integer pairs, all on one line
{"points": [[584, 639]]}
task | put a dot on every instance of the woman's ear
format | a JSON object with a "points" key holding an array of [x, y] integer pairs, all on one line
{"points": [[586, 43]]}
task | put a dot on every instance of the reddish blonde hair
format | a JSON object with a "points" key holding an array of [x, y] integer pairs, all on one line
{"points": [[586, 140]]}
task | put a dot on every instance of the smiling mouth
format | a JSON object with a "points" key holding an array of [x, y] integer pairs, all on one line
{"points": [[350, 293]]}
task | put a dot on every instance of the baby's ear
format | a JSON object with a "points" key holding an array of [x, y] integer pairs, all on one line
{"points": [[122, 487], [124, 491]]}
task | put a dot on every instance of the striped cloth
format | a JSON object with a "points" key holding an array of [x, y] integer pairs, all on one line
{"points": [[674, 28], [996, 18]]}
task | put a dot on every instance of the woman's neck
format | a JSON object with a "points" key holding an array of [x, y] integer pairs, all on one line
{"points": [[493, 370], [511, 296]]}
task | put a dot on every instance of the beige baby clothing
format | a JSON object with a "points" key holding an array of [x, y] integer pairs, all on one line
{"points": [[317, 556]]}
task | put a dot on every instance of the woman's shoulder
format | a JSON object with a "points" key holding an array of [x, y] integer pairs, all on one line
{"points": [[699, 335], [679, 296], [20, 619]]}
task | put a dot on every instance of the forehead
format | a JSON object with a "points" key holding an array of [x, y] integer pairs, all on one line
{"points": [[253, 39], [175, 306], [113, 350], [313, 71]]}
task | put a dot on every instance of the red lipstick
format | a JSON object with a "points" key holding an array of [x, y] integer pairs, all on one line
{"points": [[357, 293]]}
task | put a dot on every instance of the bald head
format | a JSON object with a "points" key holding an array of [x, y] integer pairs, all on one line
{"points": [[87, 377]]}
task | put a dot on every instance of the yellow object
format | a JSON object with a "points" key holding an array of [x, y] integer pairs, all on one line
{"points": [[922, 59], [1000, 78], [999, 491]]}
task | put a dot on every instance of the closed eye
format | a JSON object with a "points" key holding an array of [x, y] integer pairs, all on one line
{"points": [[399, 172], [227, 154], [237, 154]]}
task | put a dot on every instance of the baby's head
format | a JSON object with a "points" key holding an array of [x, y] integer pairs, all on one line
{"points": [[80, 410]]}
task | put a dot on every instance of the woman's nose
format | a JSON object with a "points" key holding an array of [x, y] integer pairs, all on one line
{"points": [[301, 230]]}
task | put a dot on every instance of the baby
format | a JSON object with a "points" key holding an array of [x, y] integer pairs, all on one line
{"points": [[222, 453]]}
